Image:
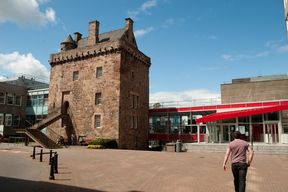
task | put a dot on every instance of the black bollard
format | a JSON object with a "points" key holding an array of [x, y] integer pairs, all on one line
{"points": [[55, 163], [41, 152], [50, 157], [33, 156], [51, 169]]}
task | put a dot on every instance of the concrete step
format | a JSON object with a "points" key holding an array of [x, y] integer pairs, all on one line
{"points": [[263, 149]]}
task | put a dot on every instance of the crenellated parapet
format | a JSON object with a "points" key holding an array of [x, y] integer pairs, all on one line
{"points": [[98, 50]]}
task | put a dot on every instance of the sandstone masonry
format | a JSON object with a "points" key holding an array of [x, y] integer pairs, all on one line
{"points": [[102, 82]]}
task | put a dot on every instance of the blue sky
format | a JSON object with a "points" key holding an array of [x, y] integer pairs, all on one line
{"points": [[194, 45]]}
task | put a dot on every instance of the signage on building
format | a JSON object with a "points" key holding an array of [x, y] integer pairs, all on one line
{"points": [[184, 120], [175, 120], [154, 121], [162, 120]]}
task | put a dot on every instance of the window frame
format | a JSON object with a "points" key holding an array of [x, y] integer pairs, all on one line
{"points": [[16, 120], [1, 118], [75, 74], [3, 97], [98, 74], [132, 101], [131, 122], [20, 100], [8, 95], [98, 100], [97, 120], [136, 122], [8, 120]]}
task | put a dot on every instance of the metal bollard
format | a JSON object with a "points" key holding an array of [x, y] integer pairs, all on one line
{"points": [[41, 153], [33, 156], [50, 157], [55, 163], [51, 169]]}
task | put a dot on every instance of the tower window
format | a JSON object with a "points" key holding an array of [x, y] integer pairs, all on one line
{"points": [[99, 72], [75, 75]]}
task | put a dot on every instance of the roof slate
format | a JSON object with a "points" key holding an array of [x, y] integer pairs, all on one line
{"points": [[68, 39], [116, 34]]}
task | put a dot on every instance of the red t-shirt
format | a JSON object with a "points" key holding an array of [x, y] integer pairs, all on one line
{"points": [[238, 149]]}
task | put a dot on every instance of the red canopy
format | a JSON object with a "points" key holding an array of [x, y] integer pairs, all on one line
{"points": [[240, 113]]}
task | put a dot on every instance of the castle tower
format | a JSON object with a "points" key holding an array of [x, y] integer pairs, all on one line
{"points": [[102, 83]]}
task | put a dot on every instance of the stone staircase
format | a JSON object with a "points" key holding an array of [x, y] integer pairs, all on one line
{"points": [[262, 149], [34, 132], [41, 138]]}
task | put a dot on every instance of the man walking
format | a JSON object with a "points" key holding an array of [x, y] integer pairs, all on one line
{"points": [[238, 150]]}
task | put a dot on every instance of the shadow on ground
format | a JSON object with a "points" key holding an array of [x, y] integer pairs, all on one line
{"points": [[20, 185]]}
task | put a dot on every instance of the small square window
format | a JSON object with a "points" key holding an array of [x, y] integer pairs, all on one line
{"points": [[132, 101], [97, 121], [135, 122], [98, 99], [18, 100], [136, 102], [16, 120], [8, 119], [75, 75], [131, 122], [2, 98], [98, 72], [1, 118], [10, 99]]}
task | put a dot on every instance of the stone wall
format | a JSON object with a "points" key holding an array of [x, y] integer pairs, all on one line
{"points": [[254, 91], [119, 60]]}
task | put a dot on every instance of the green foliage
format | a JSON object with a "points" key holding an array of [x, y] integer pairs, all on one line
{"points": [[157, 105], [106, 143]]}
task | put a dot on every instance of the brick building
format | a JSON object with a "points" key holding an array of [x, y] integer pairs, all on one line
{"points": [[102, 83]]}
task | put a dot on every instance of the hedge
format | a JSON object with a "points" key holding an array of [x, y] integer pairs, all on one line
{"points": [[106, 143]]}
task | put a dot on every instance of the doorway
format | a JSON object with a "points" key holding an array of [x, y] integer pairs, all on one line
{"points": [[228, 131], [271, 132]]}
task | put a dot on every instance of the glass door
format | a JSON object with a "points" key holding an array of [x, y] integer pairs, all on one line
{"points": [[228, 131], [271, 130], [214, 131]]}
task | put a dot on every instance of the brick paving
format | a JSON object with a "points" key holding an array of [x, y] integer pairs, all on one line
{"points": [[83, 169]]}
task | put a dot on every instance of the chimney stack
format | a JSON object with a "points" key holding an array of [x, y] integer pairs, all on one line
{"points": [[77, 36], [93, 33], [129, 24]]}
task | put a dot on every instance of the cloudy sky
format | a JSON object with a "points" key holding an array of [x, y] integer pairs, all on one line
{"points": [[194, 45]]}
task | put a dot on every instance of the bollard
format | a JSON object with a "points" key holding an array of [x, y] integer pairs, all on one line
{"points": [[50, 157], [55, 163], [51, 170], [33, 156], [41, 153]]}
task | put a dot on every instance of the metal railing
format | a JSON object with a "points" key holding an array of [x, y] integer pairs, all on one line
{"points": [[222, 100]]}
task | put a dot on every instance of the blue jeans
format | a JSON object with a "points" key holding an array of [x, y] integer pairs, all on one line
{"points": [[239, 171]]}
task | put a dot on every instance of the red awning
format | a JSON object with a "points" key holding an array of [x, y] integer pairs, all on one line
{"points": [[240, 113]]}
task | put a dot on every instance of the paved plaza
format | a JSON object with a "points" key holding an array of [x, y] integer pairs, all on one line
{"points": [[92, 170]]}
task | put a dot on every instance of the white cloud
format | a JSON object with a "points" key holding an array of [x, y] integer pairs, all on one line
{"points": [[282, 49], [25, 12], [227, 57], [50, 15], [213, 37], [243, 56], [141, 32], [16, 63], [168, 23], [191, 96], [144, 8]]}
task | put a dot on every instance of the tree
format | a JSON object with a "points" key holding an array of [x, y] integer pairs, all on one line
{"points": [[157, 105]]}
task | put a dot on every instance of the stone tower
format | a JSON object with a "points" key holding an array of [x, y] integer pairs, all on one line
{"points": [[102, 83]]}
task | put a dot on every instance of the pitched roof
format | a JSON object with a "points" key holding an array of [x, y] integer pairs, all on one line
{"points": [[116, 34], [68, 39]]}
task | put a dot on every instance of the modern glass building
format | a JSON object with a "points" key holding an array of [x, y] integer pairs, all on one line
{"points": [[36, 107]]}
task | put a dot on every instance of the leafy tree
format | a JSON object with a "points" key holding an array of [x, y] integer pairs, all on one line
{"points": [[157, 105]]}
